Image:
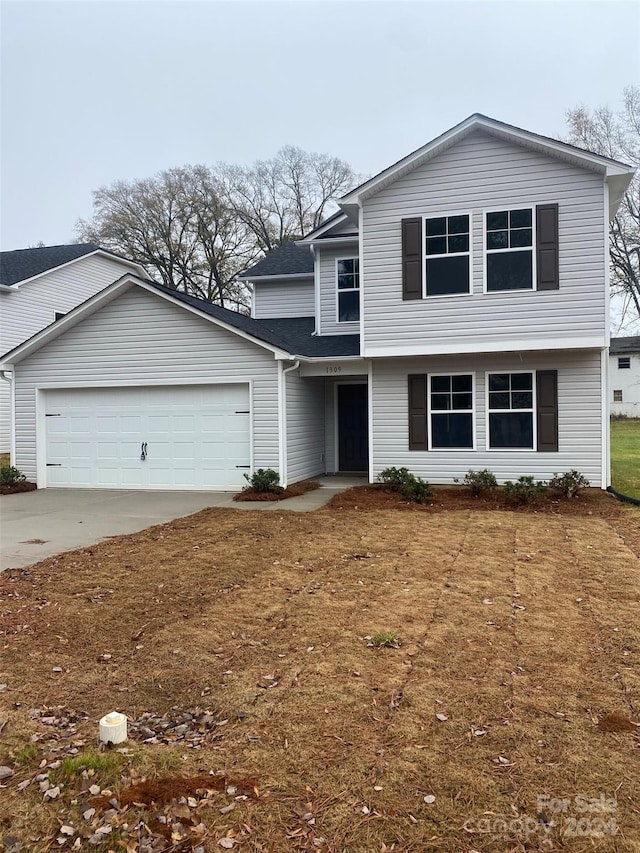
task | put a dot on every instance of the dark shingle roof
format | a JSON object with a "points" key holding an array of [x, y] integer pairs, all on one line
{"points": [[294, 335], [628, 345], [22, 264], [287, 259]]}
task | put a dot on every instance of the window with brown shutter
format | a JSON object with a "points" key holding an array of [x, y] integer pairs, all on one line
{"points": [[412, 258], [547, 410], [418, 439], [547, 271]]}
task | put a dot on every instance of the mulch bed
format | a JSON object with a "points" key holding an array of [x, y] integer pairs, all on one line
{"points": [[292, 491], [16, 488], [447, 498]]}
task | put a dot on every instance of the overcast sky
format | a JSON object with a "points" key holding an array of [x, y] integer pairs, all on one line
{"points": [[97, 91]]}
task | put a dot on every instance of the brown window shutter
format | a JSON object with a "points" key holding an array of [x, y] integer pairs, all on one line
{"points": [[412, 258], [547, 409], [547, 247], [418, 412]]}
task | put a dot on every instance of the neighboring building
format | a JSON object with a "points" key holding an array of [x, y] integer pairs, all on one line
{"points": [[624, 376], [451, 316], [38, 286]]}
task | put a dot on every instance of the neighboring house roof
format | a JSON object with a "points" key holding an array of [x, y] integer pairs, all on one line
{"points": [[625, 345], [292, 336], [617, 174], [288, 259], [22, 264]]}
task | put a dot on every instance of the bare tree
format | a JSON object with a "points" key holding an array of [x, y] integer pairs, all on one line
{"points": [[287, 196], [617, 135], [197, 227], [176, 225]]}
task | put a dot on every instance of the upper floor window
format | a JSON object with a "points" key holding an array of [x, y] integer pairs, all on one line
{"points": [[624, 362], [509, 245], [348, 290], [447, 255]]}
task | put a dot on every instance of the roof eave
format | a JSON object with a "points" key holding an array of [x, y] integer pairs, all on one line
{"points": [[101, 252]]}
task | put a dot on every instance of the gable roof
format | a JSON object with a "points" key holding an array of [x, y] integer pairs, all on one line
{"points": [[21, 265], [625, 345], [284, 336], [616, 173], [288, 259]]}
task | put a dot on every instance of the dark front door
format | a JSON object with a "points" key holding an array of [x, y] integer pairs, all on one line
{"points": [[353, 439]]}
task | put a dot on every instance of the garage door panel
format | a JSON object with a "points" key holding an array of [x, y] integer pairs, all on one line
{"points": [[195, 439]]}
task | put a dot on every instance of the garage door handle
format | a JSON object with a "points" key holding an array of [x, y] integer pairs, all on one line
{"points": [[243, 466], [143, 450]]}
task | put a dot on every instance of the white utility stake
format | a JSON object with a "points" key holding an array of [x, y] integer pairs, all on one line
{"points": [[113, 727]]}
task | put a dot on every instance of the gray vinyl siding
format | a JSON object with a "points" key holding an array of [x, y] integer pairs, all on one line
{"points": [[345, 228], [482, 172], [579, 418], [29, 308], [142, 339], [305, 427], [327, 282], [289, 298]]}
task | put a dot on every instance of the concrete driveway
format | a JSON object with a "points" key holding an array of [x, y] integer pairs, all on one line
{"points": [[35, 525]]}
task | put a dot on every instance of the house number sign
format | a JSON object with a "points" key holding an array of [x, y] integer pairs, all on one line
{"points": [[333, 369]]}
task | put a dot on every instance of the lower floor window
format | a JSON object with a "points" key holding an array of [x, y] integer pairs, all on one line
{"points": [[451, 411], [617, 396], [511, 409]]}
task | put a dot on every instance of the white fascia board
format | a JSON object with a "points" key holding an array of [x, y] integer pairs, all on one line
{"points": [[515, 345], [97, 252], [336, 241], [432, 149], [258, 278]]}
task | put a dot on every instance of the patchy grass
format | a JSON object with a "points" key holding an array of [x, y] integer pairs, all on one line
{"points": [[519, 647], [625, 455]]}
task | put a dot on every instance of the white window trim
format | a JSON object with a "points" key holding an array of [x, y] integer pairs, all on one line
{"points": [[357, 290], [534, 411], [534, 272], [447, 215], [471, 411]]}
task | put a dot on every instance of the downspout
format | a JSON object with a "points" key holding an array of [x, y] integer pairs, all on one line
{"points": [[8, 376], [283, 420]]}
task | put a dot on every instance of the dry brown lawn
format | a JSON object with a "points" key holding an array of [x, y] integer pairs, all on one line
{"points": [[521, 630]]}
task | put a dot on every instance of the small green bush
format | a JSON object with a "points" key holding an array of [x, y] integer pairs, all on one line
{"points": [[526, 490], [402, 480], [569, 484], [480, 482], [264, 480], [9, 476]]}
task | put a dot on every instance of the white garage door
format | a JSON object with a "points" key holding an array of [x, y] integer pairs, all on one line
{"points": [[191, 437]]}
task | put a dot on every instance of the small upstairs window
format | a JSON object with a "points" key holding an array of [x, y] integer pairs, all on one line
{"points": [[624, 362], [617, 396], [447, 255], [348, 275], [509, 235]]}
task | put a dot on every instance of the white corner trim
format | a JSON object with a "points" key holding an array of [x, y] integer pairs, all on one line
{"points": [[370, 417], [606, 425], [316, 289]]}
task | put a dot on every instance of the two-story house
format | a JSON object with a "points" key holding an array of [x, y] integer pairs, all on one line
{"points": [[452, 315], [40, 285]]}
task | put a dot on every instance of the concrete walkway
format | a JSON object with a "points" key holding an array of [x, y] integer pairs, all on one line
{"points": [[40, 524]]}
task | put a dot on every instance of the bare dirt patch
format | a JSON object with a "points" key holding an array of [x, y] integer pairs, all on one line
{"points": [[17, 488], [519, 635]]}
